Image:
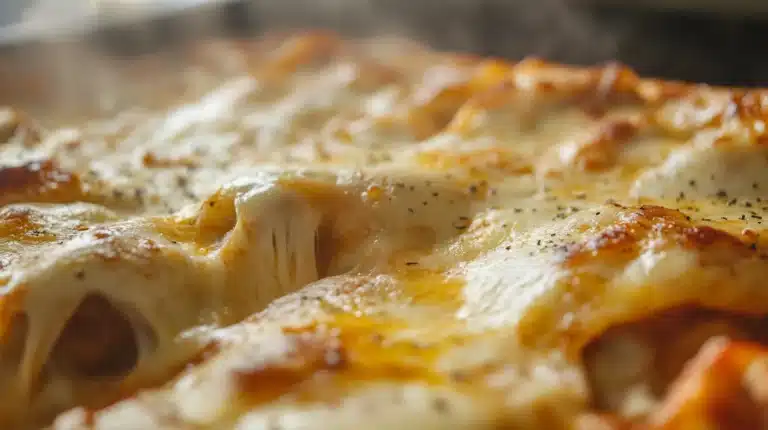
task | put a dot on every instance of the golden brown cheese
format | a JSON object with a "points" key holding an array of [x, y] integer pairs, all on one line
{"points": [[300, 232]]}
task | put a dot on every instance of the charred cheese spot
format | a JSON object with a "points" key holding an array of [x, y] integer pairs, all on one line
{"points": [[151, 160], [610, 79], [594, 90], [655, 224], [602, 150], [310, 49], [614, 85], [346, 351], [521, 107], [39, 182], [738, 114], [489, 74], [20, 223], [308, 358], [433, 112]]}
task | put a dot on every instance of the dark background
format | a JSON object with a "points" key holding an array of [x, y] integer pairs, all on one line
{"points": [[703, 47], [677, 44], [699, 46]]}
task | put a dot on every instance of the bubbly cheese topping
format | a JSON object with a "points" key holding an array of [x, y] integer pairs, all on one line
{"points": [[318, 234]]}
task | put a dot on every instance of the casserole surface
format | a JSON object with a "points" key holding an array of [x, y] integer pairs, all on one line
{"points": [[309, 233]]}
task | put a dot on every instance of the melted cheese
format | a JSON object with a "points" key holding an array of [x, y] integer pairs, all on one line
{"points": [[319, 234]]}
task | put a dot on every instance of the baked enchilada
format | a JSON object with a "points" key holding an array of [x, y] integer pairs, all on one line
{"points": [[373, 235]]}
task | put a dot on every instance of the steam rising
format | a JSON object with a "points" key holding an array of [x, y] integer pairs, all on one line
{"points": [[73, 71], [513, 28], [555, 29]]}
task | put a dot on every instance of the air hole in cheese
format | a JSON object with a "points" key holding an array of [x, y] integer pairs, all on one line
{"points": [[98, 341]]}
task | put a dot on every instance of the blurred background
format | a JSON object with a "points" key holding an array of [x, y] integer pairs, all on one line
{"points": [[713, 41]]}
